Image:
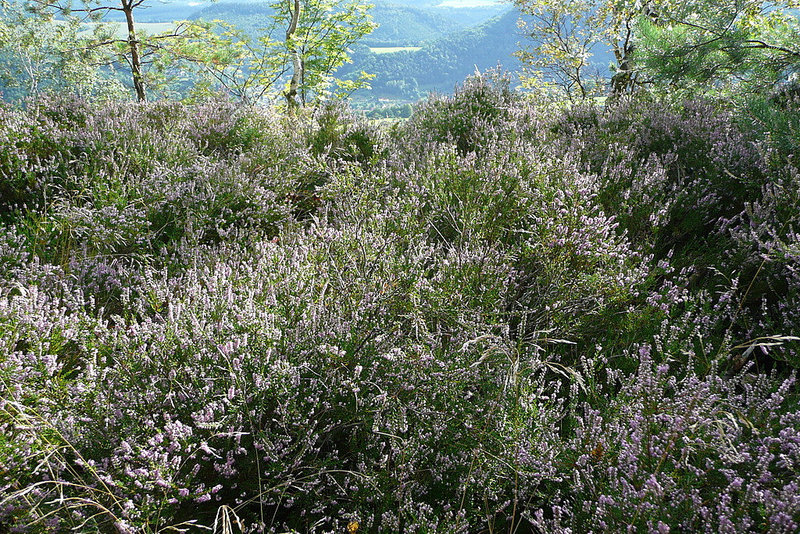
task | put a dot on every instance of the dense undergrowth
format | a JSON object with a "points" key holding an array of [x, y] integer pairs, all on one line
{"points": [[498, 316]]}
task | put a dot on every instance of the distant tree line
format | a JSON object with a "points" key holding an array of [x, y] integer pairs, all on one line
{"points": [[396, 111], [441, 64]]}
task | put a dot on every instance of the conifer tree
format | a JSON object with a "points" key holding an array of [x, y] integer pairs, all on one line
{"points": [[724, 46]]}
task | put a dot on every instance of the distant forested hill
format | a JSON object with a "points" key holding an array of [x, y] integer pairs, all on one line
{"points": [[408, 26], [248, 17], [450, 48], [397, 25], [441, 64]]}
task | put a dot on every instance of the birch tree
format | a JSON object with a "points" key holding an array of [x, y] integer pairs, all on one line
{"points": [[565, 34], [318, 34], [40, 55], [294, 58], [109, 46]]}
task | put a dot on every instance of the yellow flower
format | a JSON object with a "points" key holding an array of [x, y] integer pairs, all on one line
{"points": [[352, 527]]}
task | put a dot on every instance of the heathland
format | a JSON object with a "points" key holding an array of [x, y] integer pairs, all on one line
{"points": [[501, 315]]}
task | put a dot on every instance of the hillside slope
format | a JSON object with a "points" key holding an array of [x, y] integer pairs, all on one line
{"points": [[397, 25], [442, 63]]}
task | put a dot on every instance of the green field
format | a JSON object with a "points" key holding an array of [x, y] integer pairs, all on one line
{"points": [[391, 49]]}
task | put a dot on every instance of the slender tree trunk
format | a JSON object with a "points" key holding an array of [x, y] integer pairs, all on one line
{"points": [[622, 81], [297, 61], [136, 63], [30, 71]]}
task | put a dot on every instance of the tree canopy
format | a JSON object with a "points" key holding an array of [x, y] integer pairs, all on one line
{"points": [[694, 46], [742, 45], [47, 42]]}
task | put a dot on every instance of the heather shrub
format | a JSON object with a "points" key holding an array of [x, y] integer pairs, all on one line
{"points": [[463, 198], [66, 110], [569, 264], [224, 127], [208, 202], [13, 256], [776, 120], [323, 386], [337, 133], [141, 175], [766, 242], [573, 265], [668, 449], [466, 118], [537, 324], [668, 174], [682, 182], [26, 148], [333, 140]]}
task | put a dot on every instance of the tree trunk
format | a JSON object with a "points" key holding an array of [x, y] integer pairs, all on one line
{"points": [[622, 81], [297, 61], [136, 63]]}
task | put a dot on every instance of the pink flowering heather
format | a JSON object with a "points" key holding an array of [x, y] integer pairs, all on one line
{"points": [[496, 316]]}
